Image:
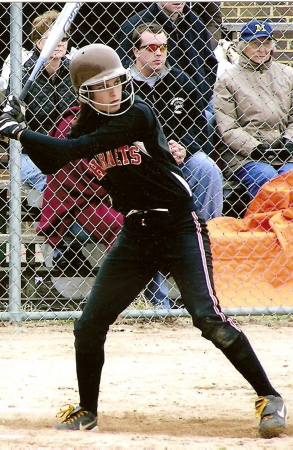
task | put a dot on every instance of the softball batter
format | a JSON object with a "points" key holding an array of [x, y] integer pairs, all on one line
{"points": [[127, 150]]}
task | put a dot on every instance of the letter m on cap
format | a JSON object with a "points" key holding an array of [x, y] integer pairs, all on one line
{"points": [[260, 27]]}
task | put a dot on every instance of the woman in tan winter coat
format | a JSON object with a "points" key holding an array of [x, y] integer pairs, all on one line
{"points": [[253, 104]]}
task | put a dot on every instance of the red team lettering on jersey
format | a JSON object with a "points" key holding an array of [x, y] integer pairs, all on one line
{"points": [[121, 156]]}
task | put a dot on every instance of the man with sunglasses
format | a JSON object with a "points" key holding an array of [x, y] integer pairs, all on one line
{"points": [[189, 48], [179, 106], [188, 42]]}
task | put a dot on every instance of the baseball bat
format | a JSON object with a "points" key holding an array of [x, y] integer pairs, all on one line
{"points": [[61, 25]]}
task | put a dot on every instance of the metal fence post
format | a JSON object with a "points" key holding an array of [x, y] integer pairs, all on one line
{"points": [[15, 176]]}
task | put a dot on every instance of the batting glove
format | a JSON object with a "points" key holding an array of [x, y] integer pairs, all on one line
{"points": [[15, 108], [13, 120], [9, 127], [259, 151]]}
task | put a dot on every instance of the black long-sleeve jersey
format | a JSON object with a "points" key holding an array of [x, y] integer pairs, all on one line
{"points": [[128, 153]]}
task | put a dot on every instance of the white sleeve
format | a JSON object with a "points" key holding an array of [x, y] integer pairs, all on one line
{"points": [[5, 73]]}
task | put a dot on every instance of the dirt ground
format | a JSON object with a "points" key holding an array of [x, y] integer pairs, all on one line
{"points": [[163, 387]]}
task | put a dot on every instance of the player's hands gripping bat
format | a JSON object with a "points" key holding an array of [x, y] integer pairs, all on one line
{"points": [[12, 121]]}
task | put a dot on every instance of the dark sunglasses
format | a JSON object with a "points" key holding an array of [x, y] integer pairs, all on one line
{"points": [[153, 47]]}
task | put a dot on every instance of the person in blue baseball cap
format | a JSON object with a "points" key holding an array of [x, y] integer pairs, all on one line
{"points": [[253, 103], [256, 41]]}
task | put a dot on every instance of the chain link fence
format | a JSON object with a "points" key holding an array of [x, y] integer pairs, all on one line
{"points": [[55, 231]]}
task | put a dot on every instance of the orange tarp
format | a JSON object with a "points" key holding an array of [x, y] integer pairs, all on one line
{"points": [[253, 256]]}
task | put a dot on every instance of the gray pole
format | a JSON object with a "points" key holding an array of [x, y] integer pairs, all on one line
{"points": [[15, 174]]}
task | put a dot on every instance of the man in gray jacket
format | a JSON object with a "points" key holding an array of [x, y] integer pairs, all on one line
{"points": [[253, 106]]}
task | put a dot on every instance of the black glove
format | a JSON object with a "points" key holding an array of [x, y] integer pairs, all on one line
{"points": [[286, 152], [12, 121], [16, 108], [271, 154], [259, 151], [9, 127]]}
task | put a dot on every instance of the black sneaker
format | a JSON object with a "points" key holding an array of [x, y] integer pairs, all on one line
{"points": [[76, 419], [273, 415]]}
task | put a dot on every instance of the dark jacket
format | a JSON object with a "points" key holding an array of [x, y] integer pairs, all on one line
{"points": [[179, 107], [210, 14], [47, 98], [188, 45]]}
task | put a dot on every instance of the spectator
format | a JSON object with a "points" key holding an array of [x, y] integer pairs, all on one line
{"points": [[188, 42], [210, 14], [26, 54], [253, 108], [178, 105], [50, 94]]}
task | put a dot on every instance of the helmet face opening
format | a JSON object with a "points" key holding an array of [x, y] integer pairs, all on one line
{"points": [[124, 79], [96, 64]]}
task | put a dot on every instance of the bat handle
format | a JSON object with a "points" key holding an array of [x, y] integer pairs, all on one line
{"points": [[25, 89]]}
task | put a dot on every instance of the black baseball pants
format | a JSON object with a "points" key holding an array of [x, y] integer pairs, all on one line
{"points": [[150, 242]]}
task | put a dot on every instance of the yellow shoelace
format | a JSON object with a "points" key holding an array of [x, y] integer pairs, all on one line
{"points": [[260, 404], [65, 412]]}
